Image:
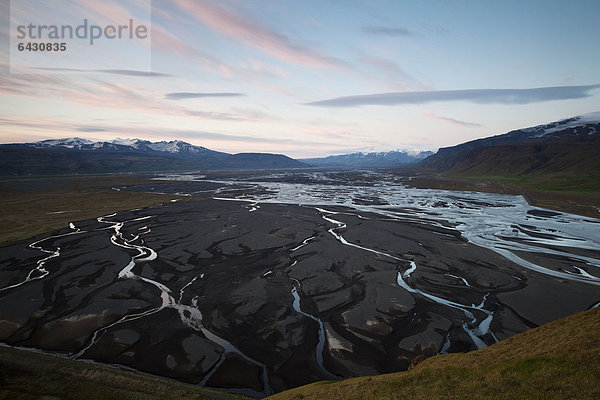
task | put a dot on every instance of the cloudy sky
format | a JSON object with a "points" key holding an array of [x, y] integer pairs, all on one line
{"points": [[306, 78]]}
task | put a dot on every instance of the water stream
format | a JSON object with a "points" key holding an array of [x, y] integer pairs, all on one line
{"points": [[40, 271], [505, 224], [481, 329], [321, 343], [190, 314]]}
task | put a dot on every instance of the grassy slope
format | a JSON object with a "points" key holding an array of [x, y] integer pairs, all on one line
{"points": [[560, 360], [29, 375], [561, 176], [561, 192], [538, 159], [577, 194], [32, 206]]}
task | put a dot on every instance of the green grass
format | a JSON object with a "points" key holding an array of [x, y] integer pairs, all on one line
{"points": [[492, 178], [575, 184], [560, 360], [577, 194], [33, 206], [582, 184], [29, 375]]}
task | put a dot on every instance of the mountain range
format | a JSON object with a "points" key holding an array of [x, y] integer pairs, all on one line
{"points": [[77, 155], [567, 146], [370, 160]]}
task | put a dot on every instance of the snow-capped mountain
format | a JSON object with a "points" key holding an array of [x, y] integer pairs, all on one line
{"points": [[570, 143], [70, 143], [173, 146], [586, 122], [189, 151], [371, 160], [76, 155]]}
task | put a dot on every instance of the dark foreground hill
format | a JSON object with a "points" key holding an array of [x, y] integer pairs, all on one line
{"points": [[31, 375], [559, 360]]}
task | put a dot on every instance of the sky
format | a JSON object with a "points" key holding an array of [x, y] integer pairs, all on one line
{"points": [[302, 78]]}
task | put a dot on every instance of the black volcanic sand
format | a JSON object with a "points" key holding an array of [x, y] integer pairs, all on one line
{"points": [[239, 265]]}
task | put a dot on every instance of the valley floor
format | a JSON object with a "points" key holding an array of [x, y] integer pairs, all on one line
{"points": [[260, 283]]}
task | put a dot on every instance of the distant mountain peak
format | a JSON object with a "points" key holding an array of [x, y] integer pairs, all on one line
{"points": [[73, 142], [540, 131], [128, 142], [171, 146], [381, 159], [77, 155]]}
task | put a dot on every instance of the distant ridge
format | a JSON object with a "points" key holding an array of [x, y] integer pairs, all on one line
{"points": [[373, 159], [82, 156]]}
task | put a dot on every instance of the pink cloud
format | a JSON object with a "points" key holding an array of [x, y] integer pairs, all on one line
{"points": [[243, 29], [34, 129], [165, 41], [104, 94], [109, 12]]}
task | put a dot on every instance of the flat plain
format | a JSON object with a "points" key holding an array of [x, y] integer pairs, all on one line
{"points": [[257, 283]]}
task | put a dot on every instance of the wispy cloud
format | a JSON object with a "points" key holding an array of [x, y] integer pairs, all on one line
{"points": [[480, 96], [185, 47], [230, 137], [452, 121], [63, 127], [40, 124], [124, 72], [130, 72], [392, 73], [41, 128], [191, 95], [110, 11], [103, 94], [89, 129], [386, 31], [253, 33]]}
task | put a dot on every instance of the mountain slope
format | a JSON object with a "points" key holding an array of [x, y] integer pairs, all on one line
{"points": [[562, 146], [365, 160], [523, 159], [75, 155], [559, 360]]}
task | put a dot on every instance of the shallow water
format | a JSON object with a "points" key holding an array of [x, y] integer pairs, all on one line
{"points": [[557, 245], [503, 223]]}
